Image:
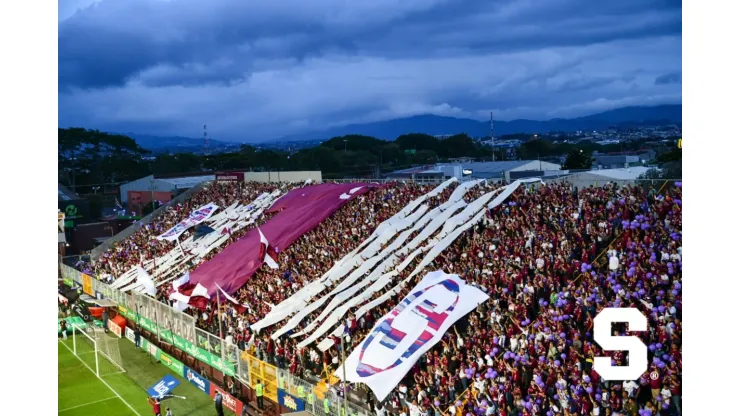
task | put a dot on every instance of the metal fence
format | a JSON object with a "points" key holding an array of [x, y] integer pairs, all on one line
{"points": [[179, 329]]}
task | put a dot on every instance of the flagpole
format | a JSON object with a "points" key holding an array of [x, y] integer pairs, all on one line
{"points": [[156, 322], [344, 371], [178, 244], [221, 335]]}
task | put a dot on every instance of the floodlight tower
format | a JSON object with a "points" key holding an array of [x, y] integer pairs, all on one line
{"points": [[206, 150], [493, 149]]}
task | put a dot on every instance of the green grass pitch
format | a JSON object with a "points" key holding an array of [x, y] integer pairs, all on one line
{"points": [[81, 393]]}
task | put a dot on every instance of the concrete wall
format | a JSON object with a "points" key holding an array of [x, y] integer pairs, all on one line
{"points": [[145, 184], [294, 176], [586, 179]]}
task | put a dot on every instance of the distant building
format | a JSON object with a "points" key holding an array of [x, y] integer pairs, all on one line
{"points": [[600, 177], [428, 174], [75, 208], [137, 194], [501, 170], [614, 161], [509, 170]]}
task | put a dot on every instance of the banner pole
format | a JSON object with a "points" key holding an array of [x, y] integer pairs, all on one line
{"points": [[221, 335], [156, 323], [344, 372]]}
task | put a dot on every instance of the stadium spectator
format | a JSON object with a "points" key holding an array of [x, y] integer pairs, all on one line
{"points": [[550, 258]]}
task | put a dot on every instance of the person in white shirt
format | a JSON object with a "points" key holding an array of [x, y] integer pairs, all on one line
{"points": [[414, 409], [665, 394], [630, 387], [379, 409], [480, 384]]}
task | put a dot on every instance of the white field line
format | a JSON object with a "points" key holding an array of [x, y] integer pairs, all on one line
{"points": [[99, 378], [87, 404]]}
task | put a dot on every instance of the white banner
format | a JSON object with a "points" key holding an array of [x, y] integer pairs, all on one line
{"points": [[196, 217], [413, 327]]}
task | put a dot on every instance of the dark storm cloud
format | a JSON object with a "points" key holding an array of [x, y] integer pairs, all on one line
{"points": [[302, 64], [671, 78]]}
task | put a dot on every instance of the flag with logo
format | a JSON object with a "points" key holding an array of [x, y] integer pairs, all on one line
{"points": [[163, 386], [267, 252]]}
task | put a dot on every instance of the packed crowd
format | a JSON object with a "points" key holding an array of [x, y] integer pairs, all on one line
{"points": [[541, 256], [529, 350]]}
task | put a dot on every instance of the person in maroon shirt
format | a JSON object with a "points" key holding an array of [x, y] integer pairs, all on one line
{"points": [[154, 402], [656, 382]]}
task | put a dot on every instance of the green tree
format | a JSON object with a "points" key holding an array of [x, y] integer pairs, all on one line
{"points": [[91, 157], [578, 159], [417, 141], [459, 145]]}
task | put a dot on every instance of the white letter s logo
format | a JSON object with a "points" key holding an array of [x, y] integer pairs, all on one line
{"points": [[638, 352]]}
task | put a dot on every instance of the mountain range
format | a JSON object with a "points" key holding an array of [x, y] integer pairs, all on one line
{"points": [[636, 116], [438, 125]]}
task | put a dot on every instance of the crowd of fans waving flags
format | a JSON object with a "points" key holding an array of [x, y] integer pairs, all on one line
{"points": [[548, 257]]}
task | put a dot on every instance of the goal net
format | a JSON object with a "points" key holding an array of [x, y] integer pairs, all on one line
{"points": [[98, 350]]}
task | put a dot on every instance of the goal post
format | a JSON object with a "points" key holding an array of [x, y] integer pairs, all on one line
{"points": [[97, 350]]}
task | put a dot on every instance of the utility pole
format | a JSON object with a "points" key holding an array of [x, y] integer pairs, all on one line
{"points": [[493, 148], [206, 150]]}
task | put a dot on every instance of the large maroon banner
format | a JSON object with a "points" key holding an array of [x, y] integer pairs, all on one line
{"points": [[298, 212]]}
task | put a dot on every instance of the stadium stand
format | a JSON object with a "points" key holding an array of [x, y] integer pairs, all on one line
{"points": [[550, 257]]}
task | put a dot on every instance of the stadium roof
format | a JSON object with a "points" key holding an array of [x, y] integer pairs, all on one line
{"points": [[187, 182], [621, 173], [65, 194], [490, 167]]}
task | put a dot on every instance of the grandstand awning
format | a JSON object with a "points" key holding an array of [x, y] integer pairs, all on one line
{"points": [[105, 303]]}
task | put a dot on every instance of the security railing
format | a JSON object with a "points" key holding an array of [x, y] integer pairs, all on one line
{"points": [[178, 329]]}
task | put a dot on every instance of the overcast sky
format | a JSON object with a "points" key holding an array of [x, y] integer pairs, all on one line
{"points": [[256, 70]]}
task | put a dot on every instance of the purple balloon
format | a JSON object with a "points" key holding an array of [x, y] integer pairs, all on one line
{"points": [[436, 402], [562, 335], [557, 363], [598, 396], [542, 359], [458, 403]]}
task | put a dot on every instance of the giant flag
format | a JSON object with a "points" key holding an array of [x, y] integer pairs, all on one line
{"points": [[413, 327], [297, 212]]}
